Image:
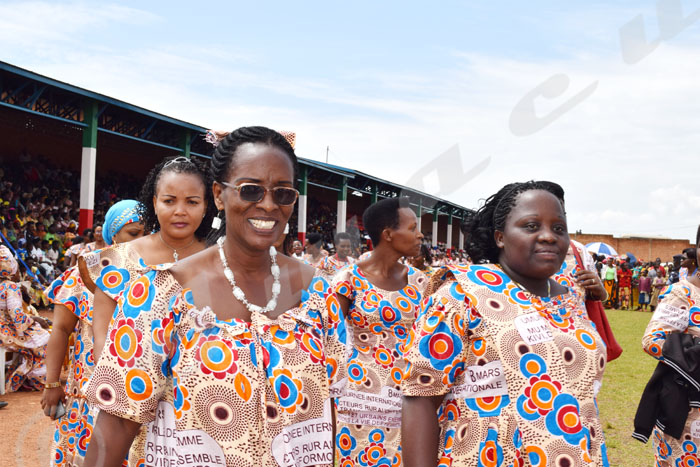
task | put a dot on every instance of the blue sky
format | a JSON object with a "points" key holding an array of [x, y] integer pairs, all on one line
{"points": [[544, 90]]}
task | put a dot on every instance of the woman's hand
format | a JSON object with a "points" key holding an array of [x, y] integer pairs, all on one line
{"points": [[591, 283], [42, 322], [50, 399]]}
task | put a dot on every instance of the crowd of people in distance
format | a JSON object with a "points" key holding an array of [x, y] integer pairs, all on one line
{"points": [[637, 285], [200, 332]]}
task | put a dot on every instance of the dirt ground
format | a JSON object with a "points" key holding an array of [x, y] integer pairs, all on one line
{"points": [[26, 431]]}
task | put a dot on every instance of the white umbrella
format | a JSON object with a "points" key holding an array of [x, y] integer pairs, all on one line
{"points": [[601, 248]]}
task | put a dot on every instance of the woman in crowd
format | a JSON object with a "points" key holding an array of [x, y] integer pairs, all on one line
{"points": [[314, 250], [423, 260], [503, 363], [225, 355], [624, 278], [73, 311], [19, 333], [657, 286], [677, 312], [175, 206], [689, 263], [381, 298]]}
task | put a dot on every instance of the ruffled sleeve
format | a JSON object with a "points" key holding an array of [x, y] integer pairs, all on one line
{"points": [[436, 350], [131, 376], [344, 283], [673, 314]]}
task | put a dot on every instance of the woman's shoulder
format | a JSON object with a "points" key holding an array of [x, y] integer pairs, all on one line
{"points": [[156, 291]]}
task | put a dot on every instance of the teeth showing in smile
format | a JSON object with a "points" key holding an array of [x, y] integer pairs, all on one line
{"points": [[262, 225]]}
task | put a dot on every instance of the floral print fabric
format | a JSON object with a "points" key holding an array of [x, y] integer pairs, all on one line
{"points": [[519, 373], [678, 311], [368, 419], [221, 392], [73, 430], [20, 334], [113, 268]]}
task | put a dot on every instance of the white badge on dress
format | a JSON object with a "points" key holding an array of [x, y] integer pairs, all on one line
{"points": [[91, 260], [695, 429], [482, 381], [533, 328], [673, 316]]}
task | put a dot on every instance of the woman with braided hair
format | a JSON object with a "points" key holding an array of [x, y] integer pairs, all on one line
{"points": [[235, 345], [503, 363], [176, 209]]}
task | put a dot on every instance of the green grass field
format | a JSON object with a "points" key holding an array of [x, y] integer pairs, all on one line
{"points": [[623, 384]]}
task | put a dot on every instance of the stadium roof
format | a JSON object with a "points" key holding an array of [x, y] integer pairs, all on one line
{"points": [[31, 92]]}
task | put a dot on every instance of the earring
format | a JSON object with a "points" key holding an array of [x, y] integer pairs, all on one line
{"points": [[216, 221]]}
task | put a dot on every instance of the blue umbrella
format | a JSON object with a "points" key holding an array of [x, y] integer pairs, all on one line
{"points": [[601, 248], [631, 257]]}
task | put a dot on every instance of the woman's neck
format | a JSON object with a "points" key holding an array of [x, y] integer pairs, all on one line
{"points": [[536, 286], [175, 243], [245, 260], [383, 261]]}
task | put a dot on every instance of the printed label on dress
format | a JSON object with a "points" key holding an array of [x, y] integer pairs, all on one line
{"points": [[91, 260], [168, 447], [364, 408], [533, 328], [596, 387], [695, 429], [306, 443], [673, 316], [482, 381]]}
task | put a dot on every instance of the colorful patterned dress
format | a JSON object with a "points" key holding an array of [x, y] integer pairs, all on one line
{"points": [[331, 264], [73, 430], [113, 268], [678, 311], [221, 392], [368, 419], [20, 334], [519, 373]]}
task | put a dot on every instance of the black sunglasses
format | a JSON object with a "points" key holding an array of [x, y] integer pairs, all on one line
{"points": [[254, 193]]}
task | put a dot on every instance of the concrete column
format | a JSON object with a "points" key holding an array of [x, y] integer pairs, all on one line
{"points": [[420, 213], [448, 244], [342, 214], [87, 166], [301, 210], [436, 214]]}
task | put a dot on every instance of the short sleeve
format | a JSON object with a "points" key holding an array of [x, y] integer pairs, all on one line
{"points": [[131, 376], [343, 283], [436, 350], [68, 290], [671, 315]]}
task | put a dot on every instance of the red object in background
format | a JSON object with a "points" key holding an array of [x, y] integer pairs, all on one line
{"points": [[85, 220]]}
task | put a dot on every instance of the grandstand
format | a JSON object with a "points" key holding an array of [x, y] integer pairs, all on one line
{"points": [[95, 137]]}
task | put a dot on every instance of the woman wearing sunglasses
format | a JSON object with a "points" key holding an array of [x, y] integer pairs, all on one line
{"points": [[227, 355], [176, 208]]}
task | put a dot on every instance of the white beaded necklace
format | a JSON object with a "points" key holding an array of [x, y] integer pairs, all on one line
{"points": [[238, 292]]}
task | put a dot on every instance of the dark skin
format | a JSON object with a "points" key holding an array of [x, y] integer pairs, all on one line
{"points": [[533, 245], [180, 205], [343, 249], [247, 252]]}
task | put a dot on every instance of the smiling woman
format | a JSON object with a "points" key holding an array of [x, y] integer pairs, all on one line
{"points": [[227, 354], [503, 350]]}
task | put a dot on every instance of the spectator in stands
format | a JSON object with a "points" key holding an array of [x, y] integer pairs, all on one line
{"points": [[297, 250]]}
